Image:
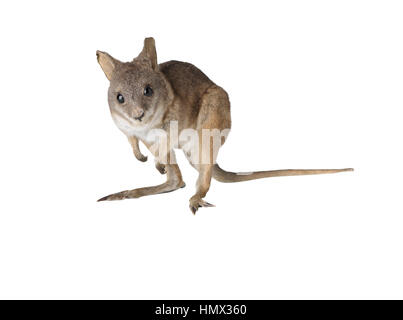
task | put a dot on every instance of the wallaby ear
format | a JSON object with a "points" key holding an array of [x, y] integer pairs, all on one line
{"points": [[149, 52], [107, 63]]}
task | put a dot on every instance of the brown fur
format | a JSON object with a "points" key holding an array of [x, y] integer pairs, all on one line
{"points": [[183, 93]]}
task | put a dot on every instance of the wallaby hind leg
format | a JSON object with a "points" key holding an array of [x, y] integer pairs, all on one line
{"points": [[213, 119], [202, 187], [174, 182]]}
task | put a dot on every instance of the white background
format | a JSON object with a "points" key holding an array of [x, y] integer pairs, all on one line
{"points": [[313, 84]]}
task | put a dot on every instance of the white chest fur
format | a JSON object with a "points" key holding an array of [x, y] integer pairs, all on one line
{"points": [[129, 127]]}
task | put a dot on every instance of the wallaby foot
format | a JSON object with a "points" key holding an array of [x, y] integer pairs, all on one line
{"points": [[141, 192], [174, 182], [115, 196], [195, 203]]}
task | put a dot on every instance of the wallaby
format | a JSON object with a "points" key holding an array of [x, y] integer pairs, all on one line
{"points": [[144, 96]]}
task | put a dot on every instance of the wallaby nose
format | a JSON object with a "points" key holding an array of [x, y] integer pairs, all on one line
{"points": [[138, 113]]}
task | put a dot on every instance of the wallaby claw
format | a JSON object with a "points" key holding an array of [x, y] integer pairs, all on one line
{"points": [[208, 205]]}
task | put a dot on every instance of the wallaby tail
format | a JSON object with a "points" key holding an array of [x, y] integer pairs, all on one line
{"points": [[225, 176]]}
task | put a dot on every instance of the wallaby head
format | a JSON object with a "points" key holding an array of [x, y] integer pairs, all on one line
{"points": [[138, 92]]}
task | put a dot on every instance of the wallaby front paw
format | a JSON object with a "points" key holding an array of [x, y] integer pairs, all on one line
{"points": [[161, 168], [141, 157], [195, 203]]}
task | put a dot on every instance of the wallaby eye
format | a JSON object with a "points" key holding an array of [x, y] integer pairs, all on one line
{"points": [[120, 98], [148, 91]]}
